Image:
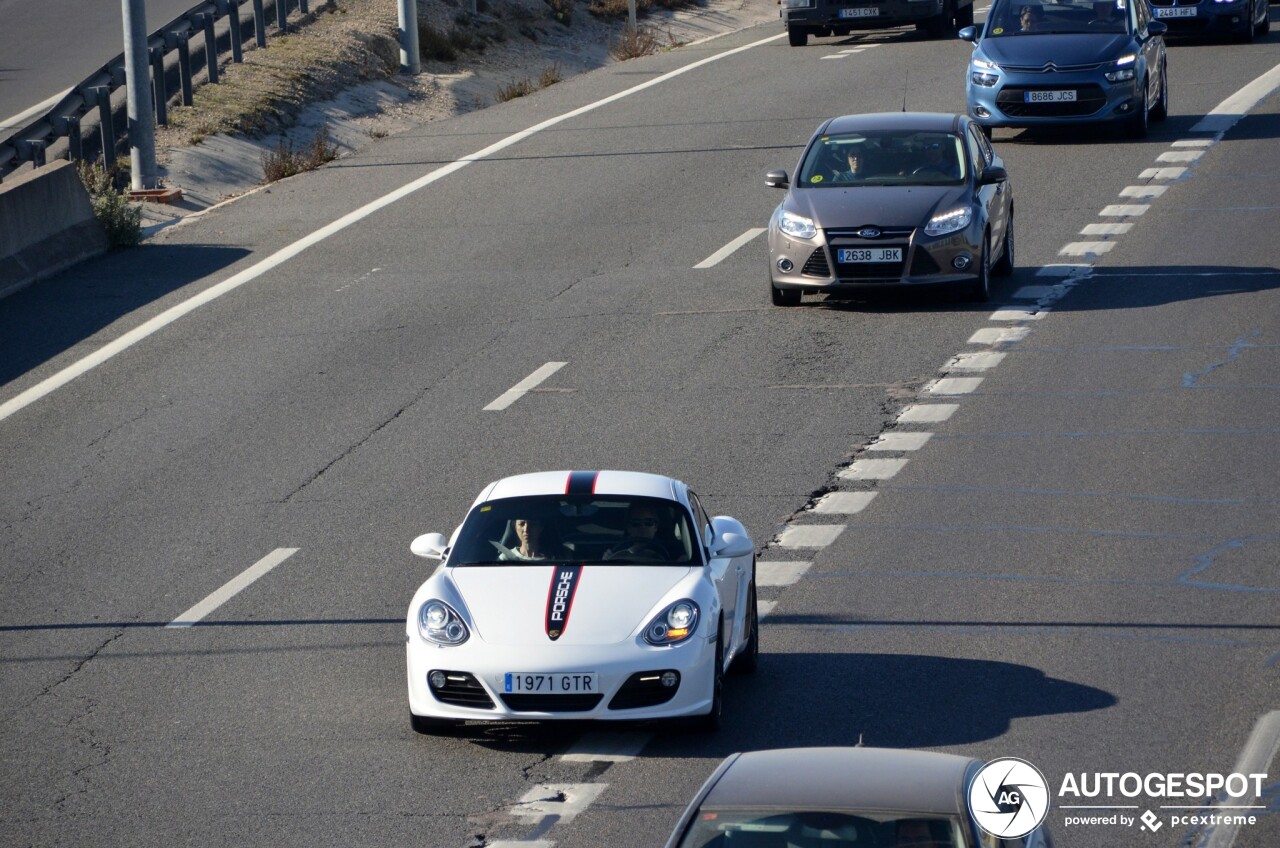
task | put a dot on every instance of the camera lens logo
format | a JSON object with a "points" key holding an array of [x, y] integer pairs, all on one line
{"points": [[1009, 798]]}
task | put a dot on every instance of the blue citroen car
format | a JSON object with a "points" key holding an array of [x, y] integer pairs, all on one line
{"points": [[1068, 62]]}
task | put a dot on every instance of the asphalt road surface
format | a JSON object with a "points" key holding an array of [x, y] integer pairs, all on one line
{"points": [[1072, 560]]}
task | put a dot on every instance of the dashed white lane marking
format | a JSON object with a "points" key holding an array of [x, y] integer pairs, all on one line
{"points": [[1086, 248], [763, 608], [232, 587], [1106, 229], [844, 503], [953, 386], [1034, 293], [1194, 142], [729, 249], [1124, 210], [779, 573], [998, 335], [836, 56], [1147, 191], [900, 441], [545, 799], [872, 469], [979, 361], [1255, 758], [1180, 156], [521, 843], [1224, 116], [1162, 173], [927, 413], [601, 747], [809, 536], [1017, 313], [522, 388]]}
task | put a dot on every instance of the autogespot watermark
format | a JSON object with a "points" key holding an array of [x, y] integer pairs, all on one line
{"points": [[1010, 798]]}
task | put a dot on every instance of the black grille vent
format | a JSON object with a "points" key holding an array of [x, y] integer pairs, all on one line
{"points": [[817, 265], [551, 703], [461, 690]]}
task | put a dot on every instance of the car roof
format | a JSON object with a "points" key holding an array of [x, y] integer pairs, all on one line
{"points": [[881, 779], [635, 483], [909, 121]]}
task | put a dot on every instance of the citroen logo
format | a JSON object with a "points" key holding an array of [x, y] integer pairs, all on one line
{"points": [[869, 233]]}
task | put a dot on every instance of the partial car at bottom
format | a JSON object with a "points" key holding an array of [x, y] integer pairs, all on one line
{"points": [[891, 200], [581, 595], [844, 798]]}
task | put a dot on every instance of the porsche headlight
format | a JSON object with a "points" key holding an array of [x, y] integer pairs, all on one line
{"points": [[949, 222], [797, 225], [673, 625], [440, 623]]}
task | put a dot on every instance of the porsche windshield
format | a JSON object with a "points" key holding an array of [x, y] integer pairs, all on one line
{"points": [[576, 528], [888, 157], [821, 829]]}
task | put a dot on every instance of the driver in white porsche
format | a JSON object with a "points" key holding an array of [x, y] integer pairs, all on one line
{"points": [[642, 543]]}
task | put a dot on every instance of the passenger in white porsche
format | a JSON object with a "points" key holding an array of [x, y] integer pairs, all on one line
{"points": [[530, 533]]}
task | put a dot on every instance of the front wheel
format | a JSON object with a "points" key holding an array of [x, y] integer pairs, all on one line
{"points": [[749, 660], [1139, 124], [1161, 110], [797, 37], [1004, 266], [711, 721], [979, 290]]}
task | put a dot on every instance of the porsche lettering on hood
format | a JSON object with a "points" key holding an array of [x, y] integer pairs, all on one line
{"points": [[524, 604]]}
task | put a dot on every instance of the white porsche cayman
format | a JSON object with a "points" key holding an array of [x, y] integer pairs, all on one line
{"points": [[581, 595]]}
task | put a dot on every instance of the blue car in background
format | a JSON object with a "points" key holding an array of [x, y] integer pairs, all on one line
{"points": [[1068, 62], [1244, 19]]}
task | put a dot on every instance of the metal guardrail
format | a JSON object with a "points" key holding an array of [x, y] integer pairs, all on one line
{"points": [[31, 142]]}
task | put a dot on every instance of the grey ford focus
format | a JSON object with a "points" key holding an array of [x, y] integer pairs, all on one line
{"points": [[891, 200]]}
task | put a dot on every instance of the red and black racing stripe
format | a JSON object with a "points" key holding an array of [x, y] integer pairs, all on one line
{"points": [[564, 585], [581, 483]]}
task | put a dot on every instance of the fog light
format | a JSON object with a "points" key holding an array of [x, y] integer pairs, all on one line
{"points": [[961, 262], [670, 678], [785, 265], [437, 679], [981, 112]]}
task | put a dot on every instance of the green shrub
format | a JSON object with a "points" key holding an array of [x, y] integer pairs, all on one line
{"points": [[121, 219]]}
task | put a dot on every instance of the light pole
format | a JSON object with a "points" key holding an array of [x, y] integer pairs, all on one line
{"points": [[410, 61], [142, 139]]}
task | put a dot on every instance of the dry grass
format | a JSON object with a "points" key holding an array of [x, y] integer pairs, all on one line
{"points": [[286, 160], [519, 88], [634, 43], [550, 76]]}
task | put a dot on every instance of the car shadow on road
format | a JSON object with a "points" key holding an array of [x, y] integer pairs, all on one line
{"points": [[52, 316], [1118, 287]]}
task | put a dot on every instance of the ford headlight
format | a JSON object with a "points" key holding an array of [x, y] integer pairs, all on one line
{"points": [[440, 623], [673, 625], [949, 222], [797, 225]]}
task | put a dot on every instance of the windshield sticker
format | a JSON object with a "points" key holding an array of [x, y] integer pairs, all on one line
{"points": [[816, 178], [997, 30]]}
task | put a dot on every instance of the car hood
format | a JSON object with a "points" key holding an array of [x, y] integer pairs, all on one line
{"points": [[881, 206], [1062, 50], [508, 604]]}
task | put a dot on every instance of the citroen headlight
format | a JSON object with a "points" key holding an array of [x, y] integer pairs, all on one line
{"points": [[983, 73], [949, 222], [673, 625], [797, 226], [440, 623], [1124, 68]]}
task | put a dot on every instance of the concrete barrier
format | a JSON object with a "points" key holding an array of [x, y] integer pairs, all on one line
{"points": [[46, 225]]}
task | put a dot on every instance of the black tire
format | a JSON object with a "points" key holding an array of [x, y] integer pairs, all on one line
{"points": [[711, 721], [979, 289], [749, 660], [1266, 23], [784, 297], [964, 17], [986, 130], [797, 37], [1161, 109], [1004, 265], [939, 26], [429, 726], [1139, 125], [1250, 32]]}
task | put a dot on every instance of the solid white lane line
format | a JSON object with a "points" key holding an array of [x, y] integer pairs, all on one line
{"points": [[953, 386], [1086, 248], [778, 573], [1106, 229], [843, 503], [978, 361], [1180, 156], [606, 747], [542, 800], [232, 587], [1224, 116], [899, 442], [927, 413], [809, 536], [1017, 313], [1148, 191], [728, 250], [1162, 173], [283, 255], [1259, 751], [998, 335], [872, 469], [522, 388], [1125, 210]]}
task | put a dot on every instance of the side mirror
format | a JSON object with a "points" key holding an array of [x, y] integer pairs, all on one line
{"points": [[732, 546], [969, 33], [777, 179], [1155, 28], [993, 174], [429, 546]]}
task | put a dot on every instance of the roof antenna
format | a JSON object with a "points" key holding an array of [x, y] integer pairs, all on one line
{"points": [[905, 82], [859, 745]]}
